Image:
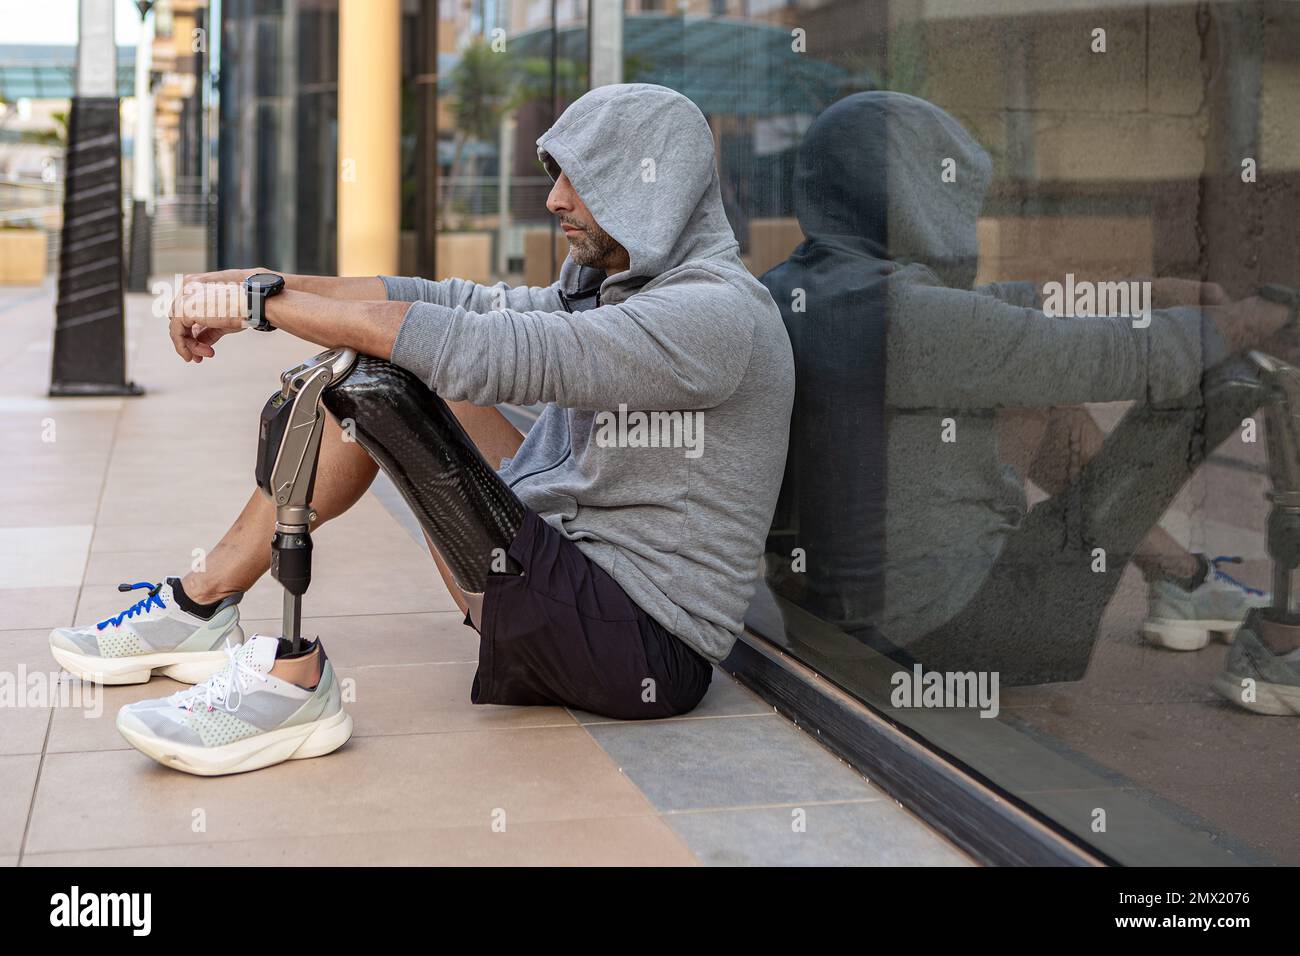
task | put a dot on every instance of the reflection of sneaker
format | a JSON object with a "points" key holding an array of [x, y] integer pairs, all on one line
{"points": [[1257, 679], [1183, 620], [153, 634], [250, 715]]}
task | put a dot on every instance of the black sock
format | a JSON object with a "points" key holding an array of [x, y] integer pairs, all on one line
{"points": [[1154, 572], [1198, 577], [188, 605], [284, 651]]}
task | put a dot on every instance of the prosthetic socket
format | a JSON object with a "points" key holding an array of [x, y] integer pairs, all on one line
{"points": [[468, 513]]}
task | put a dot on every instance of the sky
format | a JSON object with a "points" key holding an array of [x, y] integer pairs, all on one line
{"points": [[55, 21]]}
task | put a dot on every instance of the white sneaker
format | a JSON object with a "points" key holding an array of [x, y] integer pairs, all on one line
{"points": [[244, 717], [153, 634], [1183, 620], [1258, 680]]}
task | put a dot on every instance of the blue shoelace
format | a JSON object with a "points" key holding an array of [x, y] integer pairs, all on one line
{"points": [[139, 607], [1225, 576]]}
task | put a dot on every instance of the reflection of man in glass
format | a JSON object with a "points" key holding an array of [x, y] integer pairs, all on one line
{"points": [[899, 490]]}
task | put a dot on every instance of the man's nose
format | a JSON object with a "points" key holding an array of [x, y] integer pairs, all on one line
{"points": [[561, 197]]}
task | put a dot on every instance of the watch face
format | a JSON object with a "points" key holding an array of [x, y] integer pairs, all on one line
{"points": [[264, 280]]}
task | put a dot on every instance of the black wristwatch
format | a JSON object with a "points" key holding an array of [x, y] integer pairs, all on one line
{"points": [[257, 289], [1282, 295]]}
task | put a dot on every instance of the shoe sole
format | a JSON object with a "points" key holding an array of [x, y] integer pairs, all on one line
{"points": [[313, 739], [1274, 700], [188, 667], [1187, 635]]}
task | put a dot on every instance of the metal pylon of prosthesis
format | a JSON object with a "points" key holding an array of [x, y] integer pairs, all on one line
{"points": [[1282, 442], [288, 449]]}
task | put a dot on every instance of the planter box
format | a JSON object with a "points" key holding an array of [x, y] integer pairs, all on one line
{"points": [[539, 246], [22, 256], [465, 255]]}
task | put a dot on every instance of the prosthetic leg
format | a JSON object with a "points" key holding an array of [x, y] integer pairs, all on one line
{"points": [[468, 513], [1282, 443], [288, 449]]}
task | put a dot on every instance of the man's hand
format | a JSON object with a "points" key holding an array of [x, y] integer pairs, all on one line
{"points": [[206, 307], [1255, 323], [1168, 293]]}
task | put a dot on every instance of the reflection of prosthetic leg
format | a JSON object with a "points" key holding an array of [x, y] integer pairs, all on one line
{"points": [[1282, 441], [468, 512]]}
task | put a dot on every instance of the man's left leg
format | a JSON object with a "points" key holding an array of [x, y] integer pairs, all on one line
{"points": [[1190, 596], [1035, 619]]}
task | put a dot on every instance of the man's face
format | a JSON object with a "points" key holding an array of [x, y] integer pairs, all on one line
{"points": [[589, 245]]}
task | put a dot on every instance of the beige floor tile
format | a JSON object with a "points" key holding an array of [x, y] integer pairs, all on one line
{"points": [[616, 841], [30, 647], [17, 778], [175, 537], [90, 725], [24, 715], [27, 608], [71, 480], [34, 557], [48, 497], [8, 860], [54, 430], [111, 568], [22, 728], [51, 508], [372, 784], [173, 503], [430, 699]]}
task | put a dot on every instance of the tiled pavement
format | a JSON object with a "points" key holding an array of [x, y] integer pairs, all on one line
{"points": [[128, 489]]}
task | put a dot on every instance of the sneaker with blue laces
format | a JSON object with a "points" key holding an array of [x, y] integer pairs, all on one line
{"points": [[1184, 620], [153, 634], [265, 706]]}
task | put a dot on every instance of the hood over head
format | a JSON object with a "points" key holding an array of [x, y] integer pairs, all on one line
{"points": [[641, 157], [870, 178]]}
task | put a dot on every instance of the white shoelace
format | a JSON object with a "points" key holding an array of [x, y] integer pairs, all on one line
{"points": [[222, 686]]}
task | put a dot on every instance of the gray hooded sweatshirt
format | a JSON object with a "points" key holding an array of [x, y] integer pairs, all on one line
{"points": [[686, 329]]}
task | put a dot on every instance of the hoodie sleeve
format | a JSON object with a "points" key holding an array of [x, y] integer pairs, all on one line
{"points": [[461, 293], [1024, 294], [951, 349], [648, 352]]}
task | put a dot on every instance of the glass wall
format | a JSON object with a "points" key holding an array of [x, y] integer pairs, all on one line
{"points": [[504, 69], [278, 132], [1017, 247]]}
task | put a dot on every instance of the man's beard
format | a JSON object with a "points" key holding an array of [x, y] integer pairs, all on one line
{"points": [[593, 246]]}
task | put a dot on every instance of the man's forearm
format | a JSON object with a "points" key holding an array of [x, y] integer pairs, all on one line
{"points": [[362, 288], [368, 327]]}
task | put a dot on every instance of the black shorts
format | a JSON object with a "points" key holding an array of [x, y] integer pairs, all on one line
{"points": [[565, 633]]}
